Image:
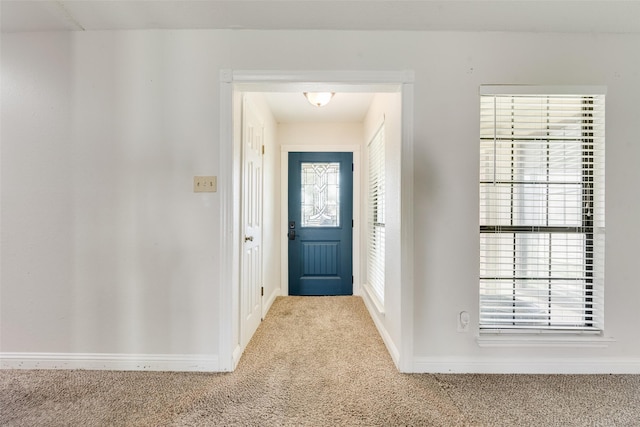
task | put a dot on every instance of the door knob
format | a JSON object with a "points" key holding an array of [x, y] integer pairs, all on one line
{"points": [[248, 238]]}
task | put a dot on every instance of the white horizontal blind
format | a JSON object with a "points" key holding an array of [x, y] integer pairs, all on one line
{"points": [[376, 215], [541, 212]]}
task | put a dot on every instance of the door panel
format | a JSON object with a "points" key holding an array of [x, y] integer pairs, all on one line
{"points": [[320, 223], [251, 281]]}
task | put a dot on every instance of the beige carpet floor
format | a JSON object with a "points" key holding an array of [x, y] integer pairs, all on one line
{"points": [[315, 361]]}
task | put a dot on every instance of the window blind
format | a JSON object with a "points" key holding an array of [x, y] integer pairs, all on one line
{"points": [[376, 215], [541, 211]]}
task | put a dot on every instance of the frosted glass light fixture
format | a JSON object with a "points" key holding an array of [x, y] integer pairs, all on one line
{"points": [[319, 99]]}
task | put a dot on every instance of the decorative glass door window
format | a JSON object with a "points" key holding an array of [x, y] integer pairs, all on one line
{"points": [[320, 202]]}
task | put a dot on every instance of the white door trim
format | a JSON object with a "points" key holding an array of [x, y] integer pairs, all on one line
{"points": [[405, 362], [284, 207], [229, 349]]}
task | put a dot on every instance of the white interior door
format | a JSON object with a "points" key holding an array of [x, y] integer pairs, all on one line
{"points": [[251, 260]]}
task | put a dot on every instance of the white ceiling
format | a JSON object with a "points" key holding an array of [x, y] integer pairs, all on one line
{"points": [[617, 16], [290, 107]]}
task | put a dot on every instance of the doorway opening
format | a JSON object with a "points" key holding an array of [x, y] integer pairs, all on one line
{"points": [[394, 93], [320, 223]]}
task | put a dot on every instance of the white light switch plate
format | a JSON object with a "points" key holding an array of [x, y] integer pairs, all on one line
{"points": [[205, 184]]}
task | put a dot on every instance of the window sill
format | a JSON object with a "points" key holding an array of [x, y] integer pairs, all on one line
{"points": [[546, 339]]}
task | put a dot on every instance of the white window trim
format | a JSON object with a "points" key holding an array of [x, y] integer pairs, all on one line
{"points": [[542, 337], [374, 294], [541, 90]]}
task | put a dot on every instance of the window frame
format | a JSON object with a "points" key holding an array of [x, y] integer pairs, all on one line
{"points": [[594, 313], [376, 211]]}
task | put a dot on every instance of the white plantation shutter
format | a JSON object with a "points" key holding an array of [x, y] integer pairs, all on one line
{"points": [[376, 215], [541, 210]]}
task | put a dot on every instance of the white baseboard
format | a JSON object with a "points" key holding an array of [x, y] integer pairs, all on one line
{"points": [[269, 301], [453, 365], [237, 354], [114, 362], [374, 313]]}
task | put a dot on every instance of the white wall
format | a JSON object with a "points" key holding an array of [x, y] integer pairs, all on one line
{"points": [[105, 249], [446, 192], [38, 200], [320, 134]]}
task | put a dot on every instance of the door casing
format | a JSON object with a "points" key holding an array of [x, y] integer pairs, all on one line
{"points": [[229, 347]]}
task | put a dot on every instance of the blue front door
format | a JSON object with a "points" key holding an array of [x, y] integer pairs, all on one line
{"points": [[320, 223]]}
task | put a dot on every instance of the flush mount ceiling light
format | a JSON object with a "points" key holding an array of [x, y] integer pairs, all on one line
{"points": [[319, 99]]}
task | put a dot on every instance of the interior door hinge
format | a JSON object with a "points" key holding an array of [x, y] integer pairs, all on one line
{"points": [[352, 280], [352, 167], [262, 291], [351, 223], [263, 150]]}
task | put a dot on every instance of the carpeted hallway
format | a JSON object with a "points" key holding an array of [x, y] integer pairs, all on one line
{"points": [[315, 361]]}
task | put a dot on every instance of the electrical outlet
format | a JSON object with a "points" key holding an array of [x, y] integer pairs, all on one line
{"points": [[205, 184], [463, 321]]}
